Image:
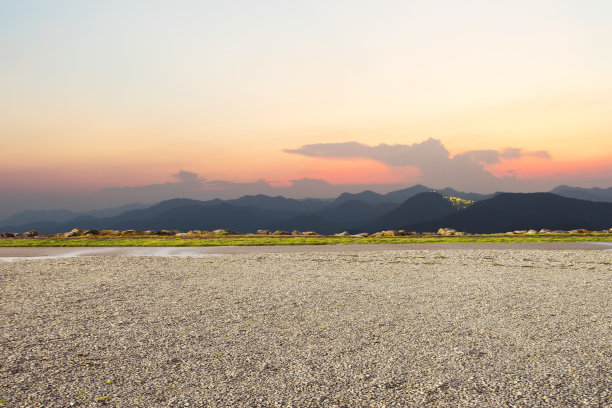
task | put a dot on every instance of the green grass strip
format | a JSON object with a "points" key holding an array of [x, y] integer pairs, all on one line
{"points": [[257, 240]]}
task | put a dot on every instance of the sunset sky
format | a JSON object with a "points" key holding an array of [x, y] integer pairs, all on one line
{"points": [[221, 98]]}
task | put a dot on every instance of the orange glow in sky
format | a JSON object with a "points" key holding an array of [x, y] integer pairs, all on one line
{"points": [[126, 95]]}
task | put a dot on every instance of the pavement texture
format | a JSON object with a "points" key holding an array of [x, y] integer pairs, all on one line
{"points": [[461, 328]]}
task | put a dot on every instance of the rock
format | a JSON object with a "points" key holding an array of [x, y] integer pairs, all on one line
{"points": [[7, 235], [610, 230], [130, 232], [224, 232], [391, 233], [92, 232], [520, 232], [18, 235], [446, 231], [362, 235], [74, 233], [544, 231], [113, 233], [31, 234], [182, 234], [509, 233], [459, 233], [532, 232], [310, 233], [376, 235], [279, 232], [342, 234], [296, 232], [264, 232], [579, 231], [560, 232], [428, 233]]}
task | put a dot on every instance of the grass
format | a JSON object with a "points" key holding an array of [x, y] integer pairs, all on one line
{"points": [[259, 240]]}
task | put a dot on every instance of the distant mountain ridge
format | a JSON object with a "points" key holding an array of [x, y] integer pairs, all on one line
{"points": [[336, 217], [29, 216], [420, 209], [519, 211], [590, 194], [399, 196]]}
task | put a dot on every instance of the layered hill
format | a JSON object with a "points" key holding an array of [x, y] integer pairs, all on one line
{"points": [[399, 196], [590, 194], [203, 217], [336, 217], [181, 214], [518, 211], [419, 208], [61, 215]]}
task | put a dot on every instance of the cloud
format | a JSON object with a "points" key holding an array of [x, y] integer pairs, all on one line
{"points": [[485, 156], [192, 185], [392, 155], [188, 178], [517, 153], [438, 168], [187, 185], [509, 153]]}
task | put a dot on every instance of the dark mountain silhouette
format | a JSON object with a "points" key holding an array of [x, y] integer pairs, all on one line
{"points": [[336, 218], [367, 196], [308, 223], [44, 227], [279, 203], [30, 216], [466, 196], [178, 214], [419, 208], [204, 217], [172, 215], [366, 211], [353, 212], [591, 194], [304, 206], [399, 196], [146, 213], [518, 211]]}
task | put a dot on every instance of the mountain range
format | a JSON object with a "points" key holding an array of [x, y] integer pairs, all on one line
{"points": [[417, 208]]}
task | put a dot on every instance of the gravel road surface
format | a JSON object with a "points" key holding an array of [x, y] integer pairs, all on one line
{"points": [[12, 253], [479, 328]]}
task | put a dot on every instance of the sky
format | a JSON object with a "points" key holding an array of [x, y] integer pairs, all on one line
{"points": [[104, 103]]}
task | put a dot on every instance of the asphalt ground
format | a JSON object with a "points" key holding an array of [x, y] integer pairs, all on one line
{"points": [[362, 328], [13, 253]]}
